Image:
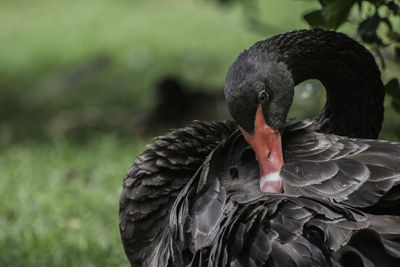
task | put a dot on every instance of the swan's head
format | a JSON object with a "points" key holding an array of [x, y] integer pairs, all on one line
{"points": [[254, 80], [259, 93]]}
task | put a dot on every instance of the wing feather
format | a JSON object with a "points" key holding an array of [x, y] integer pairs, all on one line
{"points": [[153, 183], [361, 173]]}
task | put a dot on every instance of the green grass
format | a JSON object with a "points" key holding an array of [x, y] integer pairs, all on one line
{"points": [[48, 48], [59, 203], [59, 33], [48, 83]]}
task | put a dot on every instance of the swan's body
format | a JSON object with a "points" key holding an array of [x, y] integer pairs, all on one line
{"points": [[193, 198]]}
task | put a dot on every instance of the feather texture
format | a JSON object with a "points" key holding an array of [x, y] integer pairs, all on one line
{"points": [[361, 173], [219, 219], [156, 179]]}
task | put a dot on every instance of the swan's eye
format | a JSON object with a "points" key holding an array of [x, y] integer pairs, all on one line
{"points": [[263, 97]]}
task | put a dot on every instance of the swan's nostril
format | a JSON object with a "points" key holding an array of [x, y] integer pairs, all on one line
{"points": [[269, 155]]}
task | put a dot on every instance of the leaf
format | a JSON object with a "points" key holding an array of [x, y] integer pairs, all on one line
{"points": [[396, 106], [359, 3], [395, 36], [367, 29], [333, 14], [393, 89], [326, 2], [397, 53], [336, 12], [372, 39], [369, 25], [315, 19], [394, 7]]}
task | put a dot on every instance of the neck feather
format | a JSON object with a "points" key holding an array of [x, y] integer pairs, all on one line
{"points": [[354, 89]]}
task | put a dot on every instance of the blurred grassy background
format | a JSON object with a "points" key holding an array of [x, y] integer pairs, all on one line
{"points": [[76, 80]]}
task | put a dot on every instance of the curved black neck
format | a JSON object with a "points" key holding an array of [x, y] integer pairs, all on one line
{"points": [[354, 89]]}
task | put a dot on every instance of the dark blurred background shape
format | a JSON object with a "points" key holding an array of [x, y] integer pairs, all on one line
{"points": [[84, 85], [176, 104]]}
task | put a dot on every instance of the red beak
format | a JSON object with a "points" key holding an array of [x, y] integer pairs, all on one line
{"points": [[267, 146]]}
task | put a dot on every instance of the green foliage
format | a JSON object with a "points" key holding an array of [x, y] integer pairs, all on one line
{"points": [[393, 89], [332, 14], [374, 13], [59, 202], [368, 28], [74, 68], [70, 66], [377, 25]]}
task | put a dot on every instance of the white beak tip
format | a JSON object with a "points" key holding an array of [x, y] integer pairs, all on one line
{"points": [[271, 183]]}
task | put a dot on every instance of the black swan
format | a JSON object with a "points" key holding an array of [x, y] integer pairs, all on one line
{"points": [[329, 199]]}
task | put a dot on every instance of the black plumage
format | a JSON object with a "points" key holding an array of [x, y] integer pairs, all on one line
{"points": [[357, 172], [193, 197]]}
